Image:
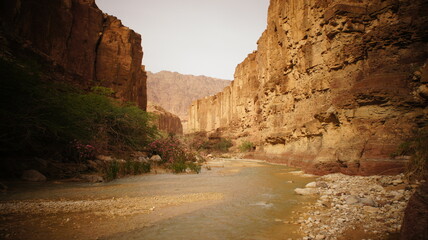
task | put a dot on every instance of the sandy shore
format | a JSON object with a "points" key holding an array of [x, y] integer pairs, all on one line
{"points": [[91, 219], [107, 207]]}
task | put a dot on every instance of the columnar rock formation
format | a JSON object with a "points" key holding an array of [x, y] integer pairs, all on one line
{"points": [[165, 120], [84, 41], [333, 86], [175, 92]]}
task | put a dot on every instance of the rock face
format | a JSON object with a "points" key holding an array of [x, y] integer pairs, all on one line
{"points": [[333, 86], [88, 44], [416, 215], [165, 121], [175, 92]]}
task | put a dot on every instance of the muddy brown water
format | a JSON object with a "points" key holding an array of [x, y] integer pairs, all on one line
{"points": [[236, 199]]}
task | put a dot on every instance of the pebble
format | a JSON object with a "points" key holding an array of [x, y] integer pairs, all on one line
{"points": [[320, 237]]}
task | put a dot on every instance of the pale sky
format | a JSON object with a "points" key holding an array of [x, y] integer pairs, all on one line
{"points": [[198, 37]]}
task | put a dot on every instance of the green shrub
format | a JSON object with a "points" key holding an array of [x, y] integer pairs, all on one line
{"points": [[178, 167], [140, 167], [246, 146], [196, 140], [216, 145], [194, 167], [111, 171], [116, 169], [102, 91], [223, 145], [200, 141], [175, 155]]}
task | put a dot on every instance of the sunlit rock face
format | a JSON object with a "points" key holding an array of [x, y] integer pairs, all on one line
{"points": [[333, 86], [165, 120], [85, 42]]}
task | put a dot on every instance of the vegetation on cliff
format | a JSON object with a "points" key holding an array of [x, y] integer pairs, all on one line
{"points": [[246, 146], [202, 142], [56, 120], [416, 148]]}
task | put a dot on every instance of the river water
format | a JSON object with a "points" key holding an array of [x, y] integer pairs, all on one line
{"points": [[256, 201]]}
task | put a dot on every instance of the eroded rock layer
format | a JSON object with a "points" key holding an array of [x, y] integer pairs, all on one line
{"points": [[79, 37], [333, 86], [165, 120]]}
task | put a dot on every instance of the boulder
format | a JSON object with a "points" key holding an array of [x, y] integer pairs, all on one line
{"points": [[322, 185], [33, 176], [142, 159], [156, 158], [368, 201], [104, 158], [92, 178], [351, 200], [311, 185], [306, 191]]}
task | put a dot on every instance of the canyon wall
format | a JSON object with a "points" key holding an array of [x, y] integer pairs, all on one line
{"points": [[334, 86], [175, 92], [165, 120], [77, 36]]}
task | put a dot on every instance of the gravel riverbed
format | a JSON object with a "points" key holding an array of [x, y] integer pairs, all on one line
{"points": [[355, 207]]}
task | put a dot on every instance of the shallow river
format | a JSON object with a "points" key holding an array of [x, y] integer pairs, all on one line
{"points": [[233, 200]]}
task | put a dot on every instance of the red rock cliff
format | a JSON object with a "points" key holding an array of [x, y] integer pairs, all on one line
{"points": [[333, 85], [165, 120], [79, 37]]}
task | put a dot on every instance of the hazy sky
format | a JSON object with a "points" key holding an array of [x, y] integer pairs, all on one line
{"points": [[199, 37]]}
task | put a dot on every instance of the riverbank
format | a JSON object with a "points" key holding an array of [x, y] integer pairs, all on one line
{"points": [[355, 207]]}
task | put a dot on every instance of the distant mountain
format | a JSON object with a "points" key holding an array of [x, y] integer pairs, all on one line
{"points": [[175, 92]]}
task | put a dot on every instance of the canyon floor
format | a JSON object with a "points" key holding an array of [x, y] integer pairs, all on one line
{"points": [[230, 199]]}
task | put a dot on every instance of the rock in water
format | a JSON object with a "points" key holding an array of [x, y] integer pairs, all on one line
{"points": [[311, 185], [33, 176], [305, 191]]}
